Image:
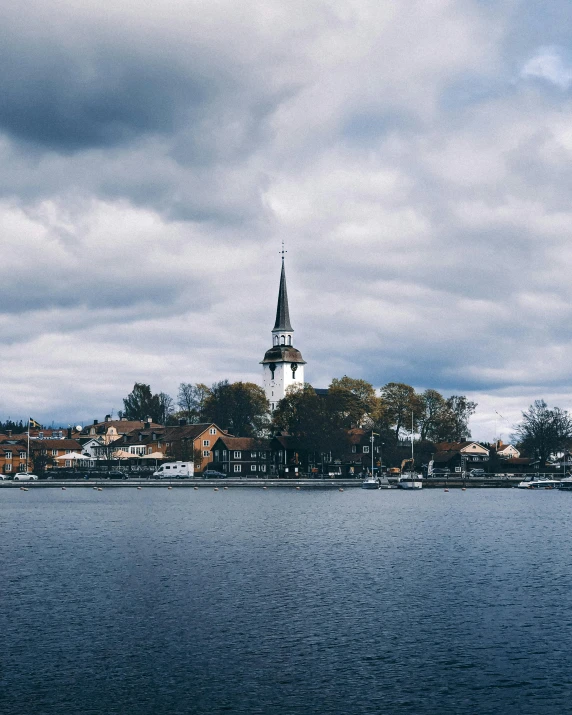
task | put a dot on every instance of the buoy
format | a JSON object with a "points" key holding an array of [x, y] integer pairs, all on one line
{"points": [[464, 489], [63, 489], [169, 487], [139, 487], [225, 488], [99, 489], [215, 489], [297, 487], [445, 490], [95, 488], [340, 489], [25, 489], [195, 487]]}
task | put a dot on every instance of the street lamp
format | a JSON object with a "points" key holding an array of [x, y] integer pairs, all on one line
{"points": [[372, 438]]}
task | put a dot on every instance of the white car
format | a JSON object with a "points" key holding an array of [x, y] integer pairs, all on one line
{"points": [[25, 476]]}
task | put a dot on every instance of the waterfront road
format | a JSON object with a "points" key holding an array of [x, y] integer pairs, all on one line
{"points": [[450, 483]]}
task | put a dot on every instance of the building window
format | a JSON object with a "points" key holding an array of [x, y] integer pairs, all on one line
{"points": [[223, 454], [253, 455], [68, 462], [206, 453], [206, 443], [253, 467], [262, 467], [69, 451], [237, 455], [55, 452], [7, 467], [289, 340], [22, 466], [149, 450], [8, 455], [237, 467], [354, 448], [282, 340], [22, 455], [225, 467], [366, 449], [212, 430], [275, 340]]}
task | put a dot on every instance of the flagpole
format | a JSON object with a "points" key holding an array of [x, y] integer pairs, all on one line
{"points": [[28, 453]]}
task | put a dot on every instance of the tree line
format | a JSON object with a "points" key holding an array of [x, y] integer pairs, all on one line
{"points": [[321, 421], [242, 408]]}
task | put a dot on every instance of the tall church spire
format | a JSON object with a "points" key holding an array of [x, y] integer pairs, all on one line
{"points": [[283, 365], [282, 313]]}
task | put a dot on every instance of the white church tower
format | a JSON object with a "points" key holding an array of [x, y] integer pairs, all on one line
{"points": [[283, 365]]}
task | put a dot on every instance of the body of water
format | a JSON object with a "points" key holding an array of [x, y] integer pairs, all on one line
{"points": [[282, 601]]}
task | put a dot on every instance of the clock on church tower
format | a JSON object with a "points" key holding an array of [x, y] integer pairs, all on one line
{"points": [[283, 365]]}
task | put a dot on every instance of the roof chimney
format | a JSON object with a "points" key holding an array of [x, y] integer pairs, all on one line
{"points": [[9, 432], [108, 418], [94, 422], [182, 421]]}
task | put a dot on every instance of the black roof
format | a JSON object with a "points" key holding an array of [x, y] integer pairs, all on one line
{"points": [[282, 314], [283, 353]]}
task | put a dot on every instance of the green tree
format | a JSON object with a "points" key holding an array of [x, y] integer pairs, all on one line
{"points": [[454, 426], [141, 404], [355, 399], [433, 411], [543, 431], [399, 403], [314, 419], [240, 407]]}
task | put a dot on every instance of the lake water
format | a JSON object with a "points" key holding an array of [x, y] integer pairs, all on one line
{"points": [[281, 601]]}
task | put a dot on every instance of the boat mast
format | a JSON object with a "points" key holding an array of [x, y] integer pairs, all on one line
{"points": [[412, 460]]}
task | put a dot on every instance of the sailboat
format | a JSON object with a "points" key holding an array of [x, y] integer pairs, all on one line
{"points": [[410, 480]]}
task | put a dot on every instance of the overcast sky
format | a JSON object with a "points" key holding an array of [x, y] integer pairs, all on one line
{"points": [[415, 157]]}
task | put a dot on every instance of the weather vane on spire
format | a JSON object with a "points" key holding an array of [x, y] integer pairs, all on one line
{"points": [[283, 251]]}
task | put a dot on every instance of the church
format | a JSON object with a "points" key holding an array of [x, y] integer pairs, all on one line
{"points": [[283, 365]]}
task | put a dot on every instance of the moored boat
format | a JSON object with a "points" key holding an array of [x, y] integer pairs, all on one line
{"points": [[410, 480], [566, 484], [370, 483], [538, 483]]}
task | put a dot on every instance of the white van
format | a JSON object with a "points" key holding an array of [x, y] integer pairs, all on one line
{"points": [[175, 470]]}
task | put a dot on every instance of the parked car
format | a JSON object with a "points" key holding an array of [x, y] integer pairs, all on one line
{"points": [[5, 476], [477, 473], [213, 474], [113, 475], [25, 477]]}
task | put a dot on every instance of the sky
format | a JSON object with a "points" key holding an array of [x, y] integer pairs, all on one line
{"points": [[415, 158]]}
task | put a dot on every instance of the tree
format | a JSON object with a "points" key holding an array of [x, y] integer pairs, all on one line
{"points": [[400, 402], [141, 404], [240, 407], [191, 400], [543, 431], [314, 419], [355, 399], [163, 408], [455, 421], [433, 409]]}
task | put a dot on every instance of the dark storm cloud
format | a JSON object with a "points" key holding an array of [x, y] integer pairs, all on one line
{"points": [[93, 97]]}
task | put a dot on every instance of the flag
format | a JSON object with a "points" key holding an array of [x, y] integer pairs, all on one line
{"points": [[34, 424]]}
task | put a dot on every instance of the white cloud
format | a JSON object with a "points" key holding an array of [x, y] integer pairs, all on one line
{"points": [[548, 64]]}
